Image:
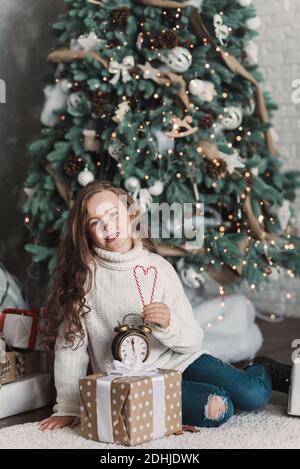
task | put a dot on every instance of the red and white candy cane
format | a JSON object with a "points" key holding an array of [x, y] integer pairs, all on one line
{"points": [[145, 271]]}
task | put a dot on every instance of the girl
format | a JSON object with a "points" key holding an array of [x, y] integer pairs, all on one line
{"points": [[93, 288]]}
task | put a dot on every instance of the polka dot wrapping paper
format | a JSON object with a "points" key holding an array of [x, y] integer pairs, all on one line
{"points": [[131, 407]]}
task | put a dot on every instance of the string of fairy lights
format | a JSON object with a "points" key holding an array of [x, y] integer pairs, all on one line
{"points": [[192, 165]]}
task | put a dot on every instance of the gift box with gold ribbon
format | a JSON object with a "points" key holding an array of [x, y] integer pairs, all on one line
{"points": [[130, 407]]}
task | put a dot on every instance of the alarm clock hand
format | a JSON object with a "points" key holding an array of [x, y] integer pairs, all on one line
{"points": [[135, 355], [132, 342]]}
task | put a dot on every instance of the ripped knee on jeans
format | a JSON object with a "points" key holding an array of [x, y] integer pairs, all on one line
{"points": [[216, 407]]}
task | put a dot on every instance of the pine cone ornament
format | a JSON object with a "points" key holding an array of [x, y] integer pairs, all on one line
{"points": [[168, 40], [216, 168], [99, 103], [206, 122], [152, 42], [73, 165], [240, 32], [119, 16]]}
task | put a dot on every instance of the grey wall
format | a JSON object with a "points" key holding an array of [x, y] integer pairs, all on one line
{"points": [[25, 40], [279, 58]]}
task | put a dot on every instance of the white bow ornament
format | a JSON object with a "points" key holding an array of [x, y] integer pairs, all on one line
{"points": [[121, 69], [221, 30]]}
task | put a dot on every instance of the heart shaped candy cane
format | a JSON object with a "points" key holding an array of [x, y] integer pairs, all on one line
{"points": [[145, 273]]}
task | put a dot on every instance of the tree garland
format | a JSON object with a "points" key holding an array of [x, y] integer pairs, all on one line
{"points": [[208, 150]]}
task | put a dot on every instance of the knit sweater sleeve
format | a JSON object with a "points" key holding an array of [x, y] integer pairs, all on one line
{"points": [[184, 334], [69, 366]]}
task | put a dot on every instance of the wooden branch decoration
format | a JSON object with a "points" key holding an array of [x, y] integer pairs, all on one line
{"points": [[62, 188], [179, 80], [163, 3], [68, 56], [225, 276], [168, 78], [209, 150], [254, 224], [234, 65]]}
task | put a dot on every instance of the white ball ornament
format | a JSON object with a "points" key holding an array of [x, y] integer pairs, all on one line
{"points": [[75, 99], [157, 188], [203, 89], [196, 87], [164, 143], [233, 119], [178, 59], [253, 23], [132, 184], [192, 278], [85, 176], [245, 3], [116, 150]]}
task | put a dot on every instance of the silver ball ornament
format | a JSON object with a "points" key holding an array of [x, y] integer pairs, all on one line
{"points": [[233, 118], [132, 184], [116, 150], [192, 278], [157, 188], [178, 59], [85, 176], [75, 99], [196, 86]]}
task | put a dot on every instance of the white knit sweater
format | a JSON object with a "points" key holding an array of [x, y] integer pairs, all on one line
{"points": [[114, 293]]}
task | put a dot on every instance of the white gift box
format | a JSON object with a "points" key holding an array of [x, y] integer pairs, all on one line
{"points": [[29, 393], [20, 328], [294, 394]]}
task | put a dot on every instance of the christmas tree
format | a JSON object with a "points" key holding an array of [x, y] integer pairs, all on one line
{"points": [[163, 97]]}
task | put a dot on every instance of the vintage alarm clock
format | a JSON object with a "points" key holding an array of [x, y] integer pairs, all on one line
{"points": [[131, 343]]}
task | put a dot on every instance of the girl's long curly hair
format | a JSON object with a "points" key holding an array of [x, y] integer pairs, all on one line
{"points": [[72, 277]]}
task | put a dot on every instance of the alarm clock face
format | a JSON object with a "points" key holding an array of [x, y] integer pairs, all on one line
{"points": [[134, 347]]}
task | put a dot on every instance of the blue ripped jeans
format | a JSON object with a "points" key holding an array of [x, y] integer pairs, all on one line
{"points": [[211, 389]]}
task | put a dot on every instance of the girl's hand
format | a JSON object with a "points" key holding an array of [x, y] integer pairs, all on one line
{"points": [[158, 313], [54, 423]]}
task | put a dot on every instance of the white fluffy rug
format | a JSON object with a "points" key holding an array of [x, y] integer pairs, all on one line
{"points": [[270, 428]]}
